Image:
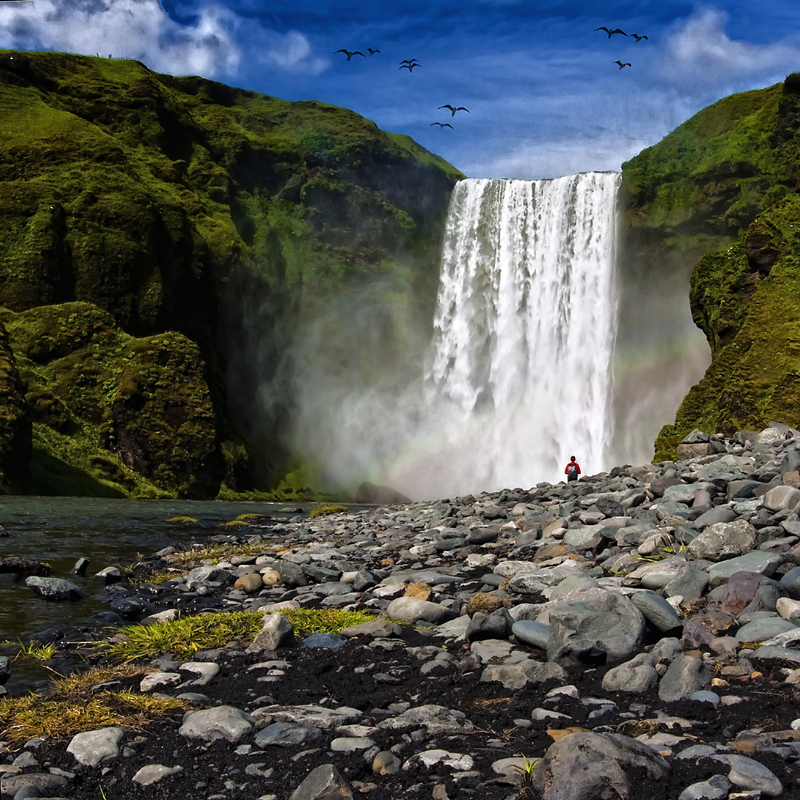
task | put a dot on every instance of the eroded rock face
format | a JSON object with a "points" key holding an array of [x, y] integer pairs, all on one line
{"points": [[587, 765]]}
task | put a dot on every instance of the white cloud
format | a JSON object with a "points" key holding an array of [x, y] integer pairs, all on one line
{"points": [[142, 30], [700, 54]]}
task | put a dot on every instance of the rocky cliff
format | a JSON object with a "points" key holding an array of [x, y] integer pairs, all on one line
{"points": [[164, 239], [691, 208]]}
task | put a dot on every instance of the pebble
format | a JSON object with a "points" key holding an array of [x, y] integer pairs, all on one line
{"points": [[564, 584]]}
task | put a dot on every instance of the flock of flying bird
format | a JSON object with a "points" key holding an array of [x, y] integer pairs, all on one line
{"points": [[411, 64], [408, 64], [619, 30]]}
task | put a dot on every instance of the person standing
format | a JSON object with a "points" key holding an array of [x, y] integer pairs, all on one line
{"points": [[572, 470]]}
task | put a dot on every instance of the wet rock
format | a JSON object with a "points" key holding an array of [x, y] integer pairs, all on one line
{"points": [[323, 783], [5, 670], [54, 589], [24, 567], [587, 765]]}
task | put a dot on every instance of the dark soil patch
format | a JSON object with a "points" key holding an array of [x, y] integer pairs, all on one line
{"points": [[372, 679]]}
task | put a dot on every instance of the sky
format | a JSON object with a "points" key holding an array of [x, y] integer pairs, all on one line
{"points": [[545, 97]]}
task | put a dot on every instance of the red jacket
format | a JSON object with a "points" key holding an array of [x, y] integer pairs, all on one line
{"points": [[571, 464]]}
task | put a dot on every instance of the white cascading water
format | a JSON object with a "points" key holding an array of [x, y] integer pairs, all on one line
{"points": [[520, 373]]}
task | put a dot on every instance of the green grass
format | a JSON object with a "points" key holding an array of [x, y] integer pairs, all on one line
{"points": [[186, 636], [71, 705], [322, 511]]}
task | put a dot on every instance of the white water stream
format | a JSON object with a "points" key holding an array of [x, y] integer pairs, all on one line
{"points": [[521, 369]]}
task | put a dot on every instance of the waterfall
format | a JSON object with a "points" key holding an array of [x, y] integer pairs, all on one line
{"points": [[519, 376]]}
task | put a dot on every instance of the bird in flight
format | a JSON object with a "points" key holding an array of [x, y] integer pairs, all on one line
{"points": [[349, 54], [442, 124], [621, 65], [409, 65], [637, 37], [453, 110], [610, 33], [372, 52]]}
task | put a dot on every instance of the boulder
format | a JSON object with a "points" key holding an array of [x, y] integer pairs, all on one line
{"points": [[588, 766], [684, 676], [276, 631], [608, 629], [723, 540], [323, 783], [54, 589]]}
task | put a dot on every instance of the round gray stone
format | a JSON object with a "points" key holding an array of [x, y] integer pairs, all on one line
{"points": [[656, 610], [54, 589], [93, 747], [751, 775], [153, 773], [634, 676], [762, 629], [223, 722], [684, 676], [535, 634]]}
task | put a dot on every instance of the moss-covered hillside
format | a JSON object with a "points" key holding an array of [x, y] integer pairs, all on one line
{"points": [[695, 192], [138, 212]]}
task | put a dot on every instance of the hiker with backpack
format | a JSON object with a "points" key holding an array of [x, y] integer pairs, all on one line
{"points": [[572, 470]]}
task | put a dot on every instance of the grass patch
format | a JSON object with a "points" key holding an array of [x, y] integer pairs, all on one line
{"points": [[33, 650], [245, 520], [186, 636], [322, 511], [70, 706], [182, 521], [221, 551]]}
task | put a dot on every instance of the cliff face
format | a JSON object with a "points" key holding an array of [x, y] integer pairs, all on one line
{"points": [[149, 225], [692, 195]]}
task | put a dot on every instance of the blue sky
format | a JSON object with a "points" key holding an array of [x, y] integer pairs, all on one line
{"points": [[544, 95]]}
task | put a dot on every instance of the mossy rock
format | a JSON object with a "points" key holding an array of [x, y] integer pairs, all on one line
{"points": [[746, 298], [15, 426], [114, 413]]}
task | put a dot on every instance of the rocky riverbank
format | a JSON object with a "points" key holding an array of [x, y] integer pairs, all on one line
{"points": [[634, 635]]}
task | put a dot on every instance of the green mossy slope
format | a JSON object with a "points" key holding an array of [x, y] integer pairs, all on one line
{"points": [[746, 298], [127, 416], [161, 202], [706, 181], [686, 200]]}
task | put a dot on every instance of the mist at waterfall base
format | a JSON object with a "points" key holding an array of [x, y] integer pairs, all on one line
{"points": [[518, 374]]}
